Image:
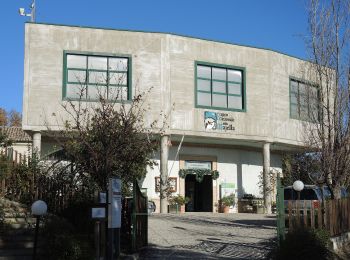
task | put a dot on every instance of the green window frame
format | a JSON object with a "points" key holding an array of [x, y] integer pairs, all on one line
{"points": [[220, 87], [304, 100], [88, 76]]}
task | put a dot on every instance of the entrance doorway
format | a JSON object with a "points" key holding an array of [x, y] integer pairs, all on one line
{"points": [[199, 193]]}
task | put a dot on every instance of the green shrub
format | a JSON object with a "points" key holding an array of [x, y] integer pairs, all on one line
{"points": [[322, 236], [2, 218], [60, 241], [78, 214], [178, 199], [304, 244], [228, 200]]}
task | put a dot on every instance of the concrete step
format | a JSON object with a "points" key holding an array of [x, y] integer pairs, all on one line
{"points": [[15, 209], [16, 244], [17, 233], [8, 231], [16, 257], [23, 252], [17, 226], [29, 221], [5, 203], [15, 214]]}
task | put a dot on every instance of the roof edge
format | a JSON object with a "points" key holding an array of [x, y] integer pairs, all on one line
{"points": [[167, 33]]}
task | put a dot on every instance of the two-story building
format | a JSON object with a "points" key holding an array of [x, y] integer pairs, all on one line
{"points": [[236, 107]]}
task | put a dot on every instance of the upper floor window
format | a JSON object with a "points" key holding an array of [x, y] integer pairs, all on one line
{"points": [[220, 87], [304, 101], [91, 76]]}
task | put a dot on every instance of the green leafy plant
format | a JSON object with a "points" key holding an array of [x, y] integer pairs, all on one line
{"points": [[303, 244], [62, 241], [59, 239], [228, 200], [178, 199], [200, 176], [215, 174], [199, 173]]}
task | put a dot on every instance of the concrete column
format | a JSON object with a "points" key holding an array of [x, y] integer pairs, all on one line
{"points": [[164, 154], [267, 181], [37, 143]]}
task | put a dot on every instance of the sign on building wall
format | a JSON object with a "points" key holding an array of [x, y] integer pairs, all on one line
{"points": [[227, 189], [198, 165], [218, 121]]}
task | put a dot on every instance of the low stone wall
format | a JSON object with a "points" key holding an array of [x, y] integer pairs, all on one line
{"points": [[339, 241]]}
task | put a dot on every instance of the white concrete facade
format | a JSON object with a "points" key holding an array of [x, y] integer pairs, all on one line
{"points": [[241, 167], [168, 63]]}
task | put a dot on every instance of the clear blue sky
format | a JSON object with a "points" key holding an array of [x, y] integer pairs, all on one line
{"points": [[273, 24]]}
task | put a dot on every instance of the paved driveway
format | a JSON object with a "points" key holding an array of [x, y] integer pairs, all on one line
{"points": [[209, 236]]}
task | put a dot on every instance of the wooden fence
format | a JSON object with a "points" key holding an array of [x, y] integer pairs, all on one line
{"points": [[29, 186], [10, 157], [13, 156], [332, 215]]}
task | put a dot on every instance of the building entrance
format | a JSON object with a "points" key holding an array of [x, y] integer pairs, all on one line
{"points": [[199, 193]]}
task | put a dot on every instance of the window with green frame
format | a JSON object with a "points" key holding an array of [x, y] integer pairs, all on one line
{"points": [[91, 76], [219, 87], [304, 101]]}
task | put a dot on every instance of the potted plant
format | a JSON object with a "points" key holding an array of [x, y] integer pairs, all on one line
{"points": [[178, 202], [227, 202]]}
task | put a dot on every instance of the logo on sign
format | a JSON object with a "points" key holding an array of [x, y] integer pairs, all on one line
{"points": [[210, 120], [218, 121]]}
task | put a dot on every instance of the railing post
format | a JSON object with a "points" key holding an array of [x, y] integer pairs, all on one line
{"points": [[280, 211], [133, 218]]}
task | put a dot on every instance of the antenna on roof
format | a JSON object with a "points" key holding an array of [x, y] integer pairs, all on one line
{"points": [[32, 11]]}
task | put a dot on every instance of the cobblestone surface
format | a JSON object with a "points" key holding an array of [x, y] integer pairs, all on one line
{"points": [[209, 236]]}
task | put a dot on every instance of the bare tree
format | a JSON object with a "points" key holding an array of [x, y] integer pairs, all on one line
{"points": [[3, 117], [14, 118], [108, 137], [328, 132]]}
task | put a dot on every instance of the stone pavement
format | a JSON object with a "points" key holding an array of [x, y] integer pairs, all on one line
{"points": [[209, 236]]}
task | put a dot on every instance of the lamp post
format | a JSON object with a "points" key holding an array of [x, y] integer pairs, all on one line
{"points": [[39, 208], [298, 186]]}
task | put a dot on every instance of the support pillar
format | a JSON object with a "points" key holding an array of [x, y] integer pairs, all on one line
{"points": [[37, 143], [164, 154], [267, 181]]}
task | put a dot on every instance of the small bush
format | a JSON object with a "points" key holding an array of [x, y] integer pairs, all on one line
{"points": [[304, 244], [322, 236], [2, 218], [228, 200], [60, 241], [180, 200], [78, 214]]}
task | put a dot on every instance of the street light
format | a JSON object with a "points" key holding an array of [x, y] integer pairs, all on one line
{"points": [[32, 12], [298, 186], [39, 208]]}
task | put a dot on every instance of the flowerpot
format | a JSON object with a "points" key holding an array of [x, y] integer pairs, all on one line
{"points": [[260, 210], [226, 209], [173, 208], [182, 209]]}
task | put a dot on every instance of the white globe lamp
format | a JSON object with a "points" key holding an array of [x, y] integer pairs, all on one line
{"points": [[39, 208], [298, 186]]}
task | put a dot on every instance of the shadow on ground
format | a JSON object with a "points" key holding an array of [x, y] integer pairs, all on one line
{"points": [[210, 249], [268, 222], [156, 252]]}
